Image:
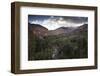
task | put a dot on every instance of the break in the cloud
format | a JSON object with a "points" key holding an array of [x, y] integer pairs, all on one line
{"points": [[54, 22]]}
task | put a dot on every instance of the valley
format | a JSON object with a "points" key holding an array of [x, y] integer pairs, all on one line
{"points": [[61, 43]]}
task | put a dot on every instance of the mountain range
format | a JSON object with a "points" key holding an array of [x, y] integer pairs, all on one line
{"points": [[39, 30], [61, 43]]}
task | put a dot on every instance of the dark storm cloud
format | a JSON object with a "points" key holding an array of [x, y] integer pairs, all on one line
{"points": [[76, 19]]}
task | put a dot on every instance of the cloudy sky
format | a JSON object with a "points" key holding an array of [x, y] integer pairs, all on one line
{"points": [[54, 22]]}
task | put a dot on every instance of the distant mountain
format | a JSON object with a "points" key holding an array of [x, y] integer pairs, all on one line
{"points": [[83, 27], [79, 30], [61, 30], [69, 30], [37, 30]]}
